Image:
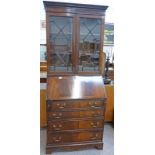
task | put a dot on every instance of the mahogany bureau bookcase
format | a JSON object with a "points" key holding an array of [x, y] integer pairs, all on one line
{"points": [[75, 98]]}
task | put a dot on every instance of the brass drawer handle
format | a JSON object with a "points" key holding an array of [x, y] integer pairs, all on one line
{"points": [[96, 113], [94, 125], [57, 127], [94, 136], [60, 114], [62, 106], [54, 125], [54, 114], [57, 115], [60, 125], [93, 104], [57, 139]]}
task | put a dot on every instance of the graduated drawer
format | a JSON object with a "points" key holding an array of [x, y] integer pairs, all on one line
{"points": [[74, 124], [53, 138], [75, 114], [65, 105]]}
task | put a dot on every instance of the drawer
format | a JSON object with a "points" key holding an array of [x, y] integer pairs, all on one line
{"points": [[75, 114], [75, 124], [65, 105], [53, 138]]}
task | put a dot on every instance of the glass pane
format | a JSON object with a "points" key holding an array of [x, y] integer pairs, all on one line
{"points": [[61, 43], [89, 45]]}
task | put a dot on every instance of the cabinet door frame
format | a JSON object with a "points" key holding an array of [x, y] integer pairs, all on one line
{"points": [[102, 18], [49, 44]]}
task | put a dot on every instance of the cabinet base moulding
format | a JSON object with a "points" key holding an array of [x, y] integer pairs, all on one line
{"points": [[70, 147]]}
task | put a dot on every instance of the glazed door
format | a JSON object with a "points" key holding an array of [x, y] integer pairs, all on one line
{"points": [[60, 44], [74, 44], [90, 44]]}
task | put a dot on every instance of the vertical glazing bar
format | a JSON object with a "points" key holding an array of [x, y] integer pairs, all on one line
{"points": [[48, 43], [101, 57], [77, 43]]}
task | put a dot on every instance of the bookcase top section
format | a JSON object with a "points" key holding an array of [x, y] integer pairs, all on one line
{"points": [[75, 87]]}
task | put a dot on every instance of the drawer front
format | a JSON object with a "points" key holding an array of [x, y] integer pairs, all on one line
{"points": [[75, 114], [62, 105], [73, 125], [53, 138]]}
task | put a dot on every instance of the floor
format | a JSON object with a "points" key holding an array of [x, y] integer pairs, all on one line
{"points": [[108, 148]]}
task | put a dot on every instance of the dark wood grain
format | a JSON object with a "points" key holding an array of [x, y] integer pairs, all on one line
{"points": [[74, 146], [76, 11], [68, 125], [48, 4], [75, 87], [75, 103], [59, 138], [75, 8], [75, 114]]}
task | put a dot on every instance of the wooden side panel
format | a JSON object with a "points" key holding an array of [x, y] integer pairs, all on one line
{"points": [[43, 108], [109, 113]]}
